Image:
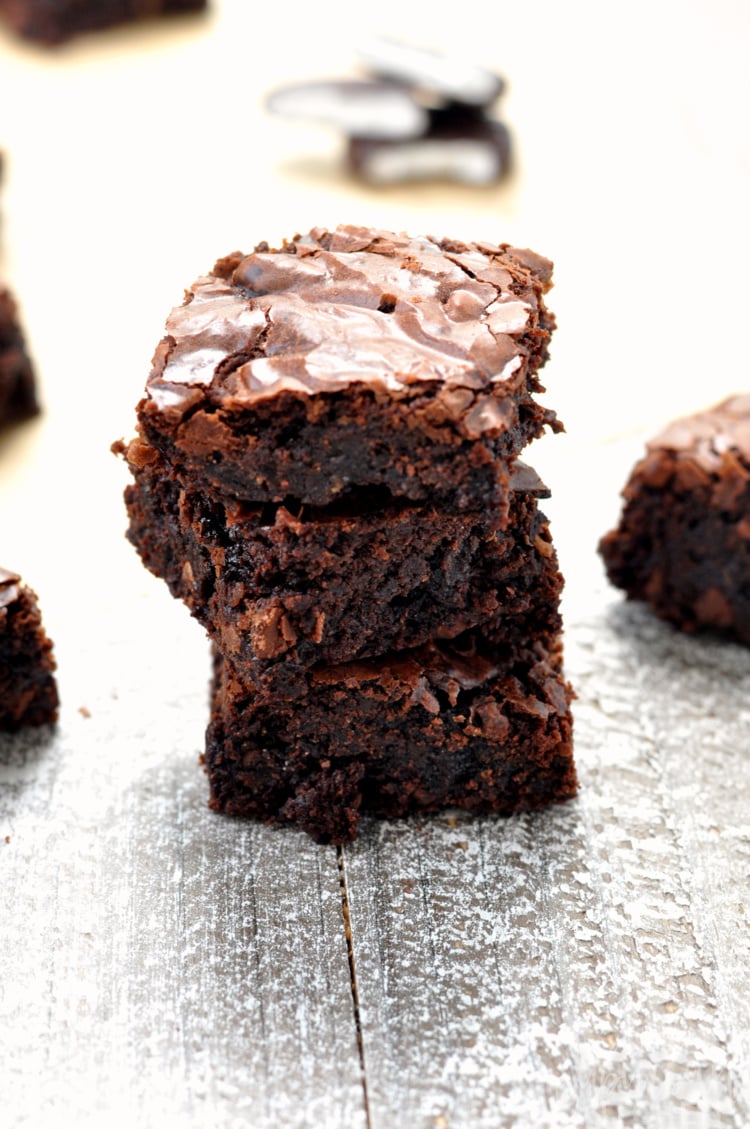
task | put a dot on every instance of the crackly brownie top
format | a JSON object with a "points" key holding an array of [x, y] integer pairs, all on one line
{"points": [[712, 438], [355, 305]]}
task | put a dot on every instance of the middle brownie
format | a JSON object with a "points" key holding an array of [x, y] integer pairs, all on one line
{"points": [[279, 591]]}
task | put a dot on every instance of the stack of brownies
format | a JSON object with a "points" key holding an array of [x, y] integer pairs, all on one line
{"points": [[325, 472]]}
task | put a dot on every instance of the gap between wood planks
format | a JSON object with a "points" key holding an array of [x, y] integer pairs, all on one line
{"points": [[340, 859]]}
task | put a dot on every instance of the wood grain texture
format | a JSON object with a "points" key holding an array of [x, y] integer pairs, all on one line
{"points": [[162, 965], [585, 965]]}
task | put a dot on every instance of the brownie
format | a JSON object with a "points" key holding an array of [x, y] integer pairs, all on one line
{"points": [[328, 585], [355, 359], [457, 145], [28, 692], [53, 21], [464, 723], [682, 544], [18, 399]]}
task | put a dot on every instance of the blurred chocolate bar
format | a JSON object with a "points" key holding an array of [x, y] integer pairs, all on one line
{"points": [[421, 116], [360, 108], [448, 77], [457, 147]]}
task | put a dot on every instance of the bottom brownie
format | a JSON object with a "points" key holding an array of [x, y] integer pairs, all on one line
{"points": [[682, 544], [463, 724], [28, 692]]}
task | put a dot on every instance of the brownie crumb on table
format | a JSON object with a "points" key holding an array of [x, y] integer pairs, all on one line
{"points": [[28, 691], [326, 473], [18, 397], [54, 21], [682, 543]]}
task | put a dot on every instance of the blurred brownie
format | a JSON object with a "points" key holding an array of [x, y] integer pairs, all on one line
{"points": [[462, 723], [683, 540], [355, 359], [328, 585], [28, 692], [18, 398], [53, 21]]}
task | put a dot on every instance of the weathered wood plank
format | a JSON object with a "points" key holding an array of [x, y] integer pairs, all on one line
{"points": [[573, 968], [159, 963]]}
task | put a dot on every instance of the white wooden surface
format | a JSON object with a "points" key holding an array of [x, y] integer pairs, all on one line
{"points": [[584, 967]]}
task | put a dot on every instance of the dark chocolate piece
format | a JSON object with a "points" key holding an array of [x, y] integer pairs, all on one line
{"points": [[355, 358], [28, 692], [461, 147], [449, 77], [358, 107], [53, 21], [461, 724], [283, 590], [18, 399], [682, 543]]}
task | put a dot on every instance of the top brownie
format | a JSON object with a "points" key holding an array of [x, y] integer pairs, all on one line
{"points": [[355, 359]]}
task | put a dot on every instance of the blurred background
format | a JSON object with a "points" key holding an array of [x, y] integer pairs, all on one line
{"points": [[137, 156]]}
